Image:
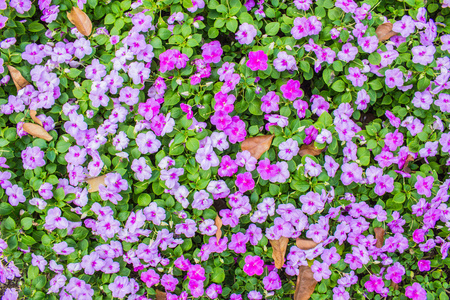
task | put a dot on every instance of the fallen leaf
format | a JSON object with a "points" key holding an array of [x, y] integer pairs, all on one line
{"points": [[37, 131], [257, 145], [406, 168], [160, 295], [17, 78], [218, 223], [305, 244], [95, 182], [305, 284], [384, 31], [35, 119], [379, 235], [279, 251], [309, 149], [81, 20], [394, 285]]}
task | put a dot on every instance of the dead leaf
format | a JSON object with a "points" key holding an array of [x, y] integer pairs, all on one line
{"points": [[406, 168], [305, 244], [379, 235], [384, 31], [95, 182], [17, 78], [35, 119], [257, 145], [160, 295], [309, 149], [279, 251], [81, 20], [305, 284], [218, 223], [37, 131]]}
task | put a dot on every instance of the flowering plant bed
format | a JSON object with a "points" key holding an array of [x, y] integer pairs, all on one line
{"points": [[224, 149]]}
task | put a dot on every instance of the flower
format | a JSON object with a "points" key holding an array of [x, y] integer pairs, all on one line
{"points": [[320, 271], [291, 90], [246, 34], [415, 292], [257, 60]]}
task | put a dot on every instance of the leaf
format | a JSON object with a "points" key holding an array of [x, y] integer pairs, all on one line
{"points": [[79, 18], [379, 235], [305, 284], [218, 223], [37, 131], [384, 31], [310, 150], [35, 119], [257, 145], [18, 79], [406, 168], [160, 295], [305, 244], [95, 182], [279, 251], [394, 285]]}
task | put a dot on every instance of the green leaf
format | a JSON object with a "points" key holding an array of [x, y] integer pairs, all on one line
{"points": [[144, 200], [325, 119], [164, 33], [80, 233], [26, 223], [9, 224], [187, 3], [232, 25], [218, 275], [375, 58], [74, 73], [62, 146], [399, 198], [5, 209], [192, 144], [338, 86], [272, 28], [35, 27], [28, 240], [33, 272]]}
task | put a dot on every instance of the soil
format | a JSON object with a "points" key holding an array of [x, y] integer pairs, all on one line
{"points": [[9, 284]]}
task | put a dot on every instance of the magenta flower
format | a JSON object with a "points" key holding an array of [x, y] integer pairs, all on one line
{"points": [[257, 60], [424, 265], [406, 26], [212, 52], [253, 265], [424, 185], [272, 281], [415, 292], [395, 272], [291, 90], [245, 182]]}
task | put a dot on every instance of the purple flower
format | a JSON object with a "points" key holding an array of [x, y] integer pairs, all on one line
{"points": [[141, 169], [54, 220], [32, 158], [33, 54], [415, 292], [424, 265], [348, 52], [147, 142], [405, 26], [38, 261], [246, 34], [368, 44], [284, 62], [443, 102], [320, 271], [394, 78], [288, 149], [272, 281], [207, 158], [423, 55], [15, 194], [395, 272]]}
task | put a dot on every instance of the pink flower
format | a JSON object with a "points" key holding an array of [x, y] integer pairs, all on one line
{"points": [[424, 265], [257, 60], [245, 182], [415, 292], [291, 90], [424, 185], [253, 265]]}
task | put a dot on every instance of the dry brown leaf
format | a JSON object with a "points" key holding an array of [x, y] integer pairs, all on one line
{"points": [[37, 131], [384, 31], [160, 295], [279, 251], [394, 285], [305, 284], [81, 20], [257, 145], [218, 223], [309, 149], [17, 78], [95, 182], [379, 235], [35, 119], [305, 244]]}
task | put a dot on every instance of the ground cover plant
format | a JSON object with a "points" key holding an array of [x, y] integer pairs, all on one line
{"points": [[224, 149]]}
